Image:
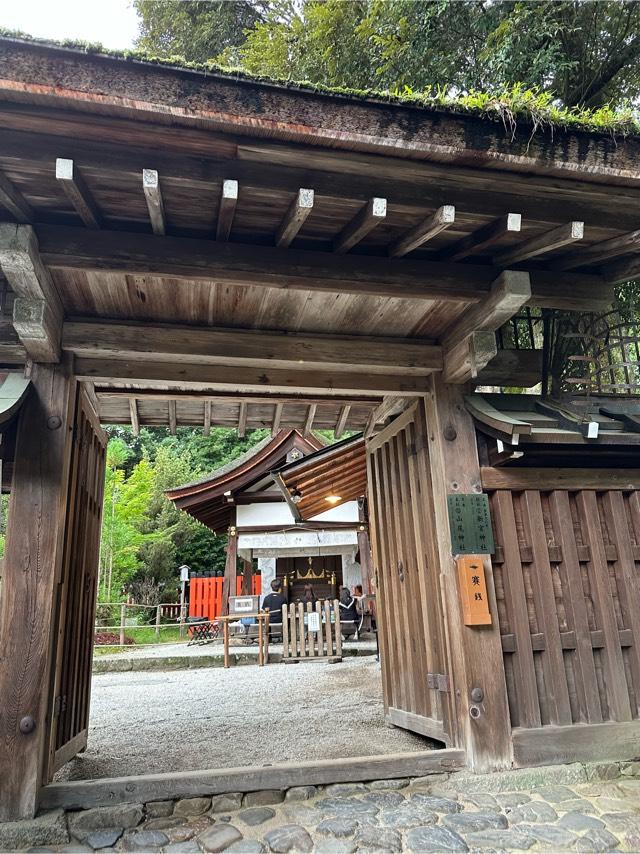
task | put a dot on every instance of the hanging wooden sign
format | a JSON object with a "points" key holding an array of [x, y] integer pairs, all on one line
{"points": [[473, 591]]}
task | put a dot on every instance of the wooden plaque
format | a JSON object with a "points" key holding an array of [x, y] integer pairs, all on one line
{"points": [[470, 524], [473, 591]]}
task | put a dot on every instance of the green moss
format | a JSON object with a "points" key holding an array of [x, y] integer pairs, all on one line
{"points": [[539, 110]]}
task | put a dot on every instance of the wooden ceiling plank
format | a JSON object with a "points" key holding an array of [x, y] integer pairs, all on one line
{"points": [[173, 420], [604, 250], [229, 346], [182, 373], [37, 309], [426, 230], [206, 426], [622, 271], [570, 232], [341, 423], [277, 417], [155, 203], [227, 209], [70, 179], [482, 238], [242, 420], [115, 393], [311, 414], [68, 248], [294, 219], [135, 421], [367, 218], [12, 199]]}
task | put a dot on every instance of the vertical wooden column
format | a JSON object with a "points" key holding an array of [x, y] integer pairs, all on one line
{"points": [[247, 577], [364, 547], [32, 567], [230, 568], [481, 726]]}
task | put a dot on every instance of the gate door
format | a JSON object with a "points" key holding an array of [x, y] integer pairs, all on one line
{"points": [[414, 669], [76, 599]]}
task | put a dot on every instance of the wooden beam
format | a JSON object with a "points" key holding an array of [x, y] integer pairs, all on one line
{"points": [[604, 250], [389, 407], [521, 368], [370, 425], [243, 378], [624, 270], [541, 245], [190, 259], [108, 393], [548, 479], [12, 199], [577, 743], [133, 412], [31, 573], [155, 204], [37, 310], [342, 421], [227, 209], [76, 190], [229, 346], [242, 420], [510, 291], [293, 220], [206, 427], [424, 231], [482, 238], [173, 421], [277, 417], [311, 414], [367, 218]]}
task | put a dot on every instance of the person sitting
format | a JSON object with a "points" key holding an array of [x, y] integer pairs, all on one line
{"points": [[273, 603], [349, 617]]}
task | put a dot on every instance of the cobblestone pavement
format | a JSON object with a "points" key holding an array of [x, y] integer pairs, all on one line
{"points": [[432, 814]]}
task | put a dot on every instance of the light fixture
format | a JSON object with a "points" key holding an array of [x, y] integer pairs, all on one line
{"points": [[296, 496], [333, 498]]}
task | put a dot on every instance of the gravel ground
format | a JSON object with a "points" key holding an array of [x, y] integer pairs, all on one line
{"points": [[183, 650], [213, 718]]}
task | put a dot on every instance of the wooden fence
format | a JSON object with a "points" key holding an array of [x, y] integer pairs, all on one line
{"points": [[205, 595], [311, 631]]}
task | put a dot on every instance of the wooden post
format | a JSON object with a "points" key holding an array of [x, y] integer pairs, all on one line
{"points": [[260, 639], [364, 547], [158, 620], [247, 577], [230, 569], [183, 618], [123, 618], [32, 567], [225, 638], [481, 727]]}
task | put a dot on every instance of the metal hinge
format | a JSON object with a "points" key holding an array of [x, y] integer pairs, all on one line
{"points": [[438, 682]]}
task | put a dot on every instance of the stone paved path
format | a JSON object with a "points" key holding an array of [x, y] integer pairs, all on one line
{"points": [[461, 813]]}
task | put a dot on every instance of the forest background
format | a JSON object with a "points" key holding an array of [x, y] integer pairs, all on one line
{"points": [[578, 55]]}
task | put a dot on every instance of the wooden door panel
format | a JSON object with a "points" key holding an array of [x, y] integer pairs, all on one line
{"points": [[409, 606]]}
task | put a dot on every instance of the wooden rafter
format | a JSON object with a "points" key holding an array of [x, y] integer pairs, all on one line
{"points": [[229, 346], [155, 203], [70, 179], [342, 421], [277, 417], [227, 209], [12, 199], [242, 420], [263, 266], [294, 219], [367, 218], [604, 250], [482, 238], [173, 421], [206, 426], [133, 412], [541, 245], [426, 230], [311, 414], [622, 271]]}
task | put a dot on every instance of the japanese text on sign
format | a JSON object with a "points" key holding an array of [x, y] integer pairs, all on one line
{"points": [[470, 524]]}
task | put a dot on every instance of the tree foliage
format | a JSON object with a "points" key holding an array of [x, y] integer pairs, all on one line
{"points": [[585, 53]]}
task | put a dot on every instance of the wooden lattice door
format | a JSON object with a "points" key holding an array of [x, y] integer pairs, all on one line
{"points": [[415, 673], [76, 601]]}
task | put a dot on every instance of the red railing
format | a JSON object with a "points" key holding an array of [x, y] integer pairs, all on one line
{"points": [[205, 595]]}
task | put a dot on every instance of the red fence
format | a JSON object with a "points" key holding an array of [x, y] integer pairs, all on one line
{"points": [[205, 595]]}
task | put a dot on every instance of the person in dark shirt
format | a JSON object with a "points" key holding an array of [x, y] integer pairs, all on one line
{"points": [[273, 603], [349, 617]]}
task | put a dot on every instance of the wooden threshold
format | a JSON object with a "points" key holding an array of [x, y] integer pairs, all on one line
{"points": [[553, 745], [84, 794], [417, 723]]}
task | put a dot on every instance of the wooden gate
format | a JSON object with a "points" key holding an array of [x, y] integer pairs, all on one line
{"points": [[415, 672], [76, 595], [311, 632], [568, 592]]}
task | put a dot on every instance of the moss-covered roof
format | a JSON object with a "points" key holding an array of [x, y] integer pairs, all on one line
{"points": [[538, 109]]}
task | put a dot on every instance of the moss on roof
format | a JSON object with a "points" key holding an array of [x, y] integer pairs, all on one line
{"points": [[538, 110]]}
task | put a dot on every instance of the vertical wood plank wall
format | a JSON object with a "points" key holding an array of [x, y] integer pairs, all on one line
{"points": [[567, 579]]}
